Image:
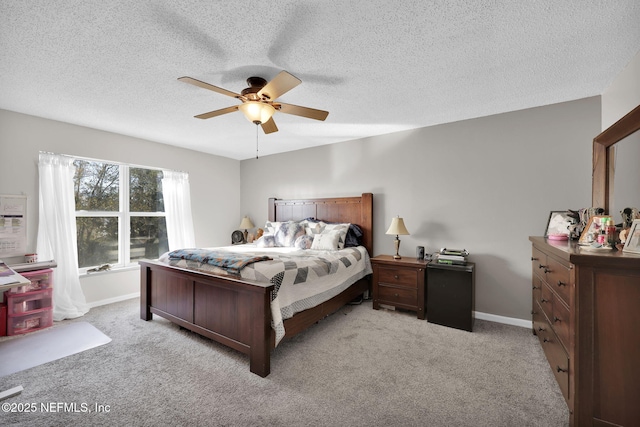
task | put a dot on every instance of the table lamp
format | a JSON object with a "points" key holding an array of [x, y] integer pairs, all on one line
{"points": [[246, 223], [397, 227]]}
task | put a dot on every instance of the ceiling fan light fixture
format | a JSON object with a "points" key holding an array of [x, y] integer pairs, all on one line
{"points": [[257, 112]]}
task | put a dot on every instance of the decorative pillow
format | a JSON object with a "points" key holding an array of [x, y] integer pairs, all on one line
{"points": [[314, 227], [303, 242], [321, 227], [288, 232], [270, 227], [326, 241], [266, 241]]}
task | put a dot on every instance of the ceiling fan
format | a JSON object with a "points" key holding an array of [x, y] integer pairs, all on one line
{"points": [[258, 100]]}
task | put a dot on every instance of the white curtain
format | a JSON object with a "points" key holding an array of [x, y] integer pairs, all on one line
{"points": [[57, 237], [177, 208]]}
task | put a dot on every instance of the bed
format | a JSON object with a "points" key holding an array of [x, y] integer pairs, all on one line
{"points": [[237, 312]]}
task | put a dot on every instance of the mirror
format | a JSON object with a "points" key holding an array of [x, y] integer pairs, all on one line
{"points": [[605, 175], [626, 176]]}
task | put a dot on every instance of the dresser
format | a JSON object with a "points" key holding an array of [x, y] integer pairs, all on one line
{"points": [[399, 283], [586, 314]]}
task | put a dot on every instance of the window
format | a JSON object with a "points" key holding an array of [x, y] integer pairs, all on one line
{"points": [[119, 214]]}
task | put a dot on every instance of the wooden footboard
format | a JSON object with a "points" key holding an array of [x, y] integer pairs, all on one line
{"points": [[232, 312]]}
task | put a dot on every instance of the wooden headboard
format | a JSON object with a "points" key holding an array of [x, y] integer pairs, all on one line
{"points": [[354, 210]]}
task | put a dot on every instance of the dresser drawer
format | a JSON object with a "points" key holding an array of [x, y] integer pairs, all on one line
{"points": [[407, 277], [560, 321], [540, 325], [558, 360], [396, 295], [538, 262], [536, 289], [559, 277], [546, 300]]}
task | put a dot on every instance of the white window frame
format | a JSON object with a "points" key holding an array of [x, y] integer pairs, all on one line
{"points": [[123, 214]]}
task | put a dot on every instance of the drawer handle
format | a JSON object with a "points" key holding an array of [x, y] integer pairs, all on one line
{"points": [[559, 369], [546, 340], [534, 259], [541, 329], [536, 287], [396, 295], [544, 300], [396, 277], [542, 266], [556, 319], [561, 283]]}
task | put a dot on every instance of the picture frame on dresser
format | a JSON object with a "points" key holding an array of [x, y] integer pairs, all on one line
{"points": [[632, 244], [558, 223], [592, 228]]}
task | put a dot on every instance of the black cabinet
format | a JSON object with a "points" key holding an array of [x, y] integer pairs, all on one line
{"points": [[451, 295]]}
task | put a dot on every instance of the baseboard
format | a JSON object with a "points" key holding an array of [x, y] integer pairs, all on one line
{"points": [[502, 319], [477, 314], [114, 299]]}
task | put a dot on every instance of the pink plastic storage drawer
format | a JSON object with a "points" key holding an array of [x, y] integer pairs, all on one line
{"points": [[30, 322], [19, 304], [40, 279]]}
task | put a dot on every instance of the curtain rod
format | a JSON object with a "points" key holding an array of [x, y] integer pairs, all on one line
{"points": [[89, 159]]}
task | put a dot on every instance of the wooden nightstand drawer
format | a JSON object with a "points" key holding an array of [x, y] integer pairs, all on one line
{"points": [[407, 277], [396, 295]]}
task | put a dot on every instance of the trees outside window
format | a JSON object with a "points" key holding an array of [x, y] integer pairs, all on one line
{"points": [[119, 214]]}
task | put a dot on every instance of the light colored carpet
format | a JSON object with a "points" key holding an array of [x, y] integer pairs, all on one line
{"points": [[22, 352], [358, 367]]}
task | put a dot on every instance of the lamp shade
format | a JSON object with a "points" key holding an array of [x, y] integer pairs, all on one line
{"points": [[246, 223], [397, 227], [257, 112]]}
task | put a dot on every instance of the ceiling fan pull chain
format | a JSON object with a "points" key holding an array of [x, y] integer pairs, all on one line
{"points": [[256, 140]]}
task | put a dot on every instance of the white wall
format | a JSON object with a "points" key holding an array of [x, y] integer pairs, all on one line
{"points": [[215, 182], [623, 94], [484, 184]]}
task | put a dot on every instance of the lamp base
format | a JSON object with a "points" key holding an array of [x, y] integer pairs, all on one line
{"points": [[397, 245]]}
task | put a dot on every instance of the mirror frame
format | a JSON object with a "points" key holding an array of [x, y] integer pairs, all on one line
{"points": [[603, 158]]}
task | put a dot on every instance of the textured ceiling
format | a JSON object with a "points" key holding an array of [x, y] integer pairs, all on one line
{"points": [[376, 66]]}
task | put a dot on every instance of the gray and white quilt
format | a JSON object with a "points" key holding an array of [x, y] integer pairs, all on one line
{"points": [[302, 279]]}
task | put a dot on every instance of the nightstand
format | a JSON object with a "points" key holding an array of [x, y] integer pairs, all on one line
{"points": [[399, 283]]}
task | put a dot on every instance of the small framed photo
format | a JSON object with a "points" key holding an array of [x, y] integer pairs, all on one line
{"points": [[558, 224], [632, 244], [591, 231]]}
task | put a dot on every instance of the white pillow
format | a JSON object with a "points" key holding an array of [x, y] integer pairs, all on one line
{"points": [[313, 228], [326, 241]]}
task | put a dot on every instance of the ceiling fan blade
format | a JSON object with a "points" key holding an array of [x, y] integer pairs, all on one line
{"points": [[310, 113], [217, 112], [269, 126], [204, 85], [281, 84]]}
